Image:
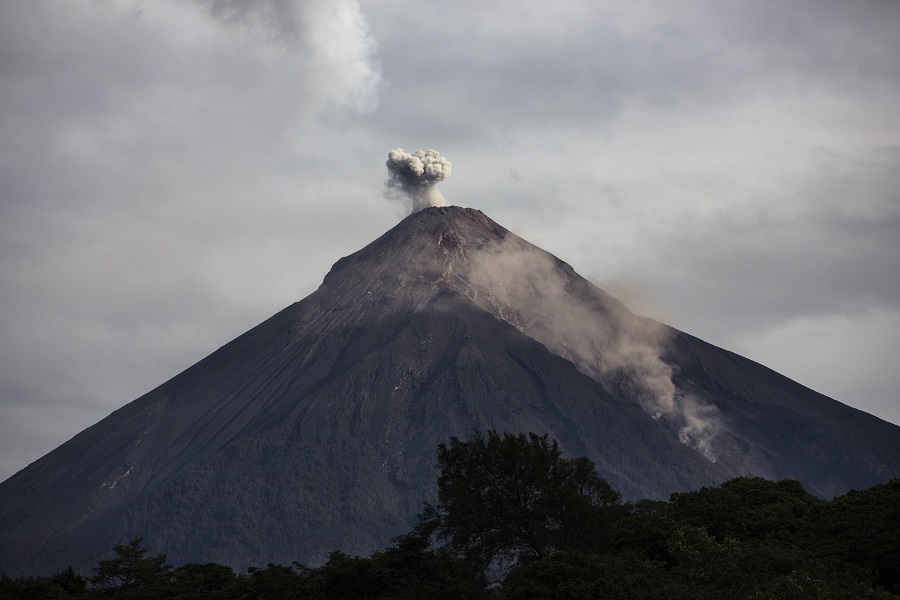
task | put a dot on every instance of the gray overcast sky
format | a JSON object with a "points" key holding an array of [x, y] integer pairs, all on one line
{"points": [[174, 172]]}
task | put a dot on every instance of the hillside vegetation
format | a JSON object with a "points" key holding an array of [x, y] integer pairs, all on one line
{"points": [[517, 520]]}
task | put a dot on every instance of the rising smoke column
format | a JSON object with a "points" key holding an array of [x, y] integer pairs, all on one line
{"points": [[414, 176]]}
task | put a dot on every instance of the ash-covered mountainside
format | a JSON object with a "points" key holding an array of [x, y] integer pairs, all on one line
{"points": [[316, 430]]}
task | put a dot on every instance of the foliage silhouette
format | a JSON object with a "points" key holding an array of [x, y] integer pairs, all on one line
{"points": [[559, 532], [506, 499]]}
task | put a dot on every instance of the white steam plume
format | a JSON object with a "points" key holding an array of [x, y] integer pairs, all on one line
{"points": [[414, 176]]}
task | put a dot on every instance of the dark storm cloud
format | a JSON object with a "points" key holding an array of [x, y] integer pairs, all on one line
{"points": [[275, 18], [567, 65], [154, 159], [825, 244]]}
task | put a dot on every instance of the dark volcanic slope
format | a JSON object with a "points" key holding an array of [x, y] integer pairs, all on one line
{"points": [[316, 430]]}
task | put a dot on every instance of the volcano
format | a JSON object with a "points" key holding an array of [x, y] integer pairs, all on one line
{"points": [[316, 430]]}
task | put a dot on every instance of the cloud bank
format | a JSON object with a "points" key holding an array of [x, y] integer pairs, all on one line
{"points": [[158, 160]]}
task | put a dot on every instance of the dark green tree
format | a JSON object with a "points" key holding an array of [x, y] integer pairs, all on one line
{"points": [[276, 582], [569, 575], [746, 508], [31, 588], [412, 569], [860, 528], [350, 577], [800, 585], [195, 581], [505, 499], [132, 574], [70, 582]]}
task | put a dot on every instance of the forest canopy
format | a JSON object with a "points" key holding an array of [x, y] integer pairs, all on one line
{"points": [[515, 519]]}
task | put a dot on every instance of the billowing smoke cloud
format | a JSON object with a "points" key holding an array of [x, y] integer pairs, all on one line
{"points": [[550, 303], [414, 176]]}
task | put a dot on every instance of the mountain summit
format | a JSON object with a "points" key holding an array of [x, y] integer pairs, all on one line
{"points": [[316, 430]]}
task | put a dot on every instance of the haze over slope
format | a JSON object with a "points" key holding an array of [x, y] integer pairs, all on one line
{"points": [[316, 430]]}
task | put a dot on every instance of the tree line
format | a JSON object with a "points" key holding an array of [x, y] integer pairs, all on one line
{"points": [[514, 519]]}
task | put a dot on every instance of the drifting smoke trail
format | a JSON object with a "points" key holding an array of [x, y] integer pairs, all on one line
{"points": [[604, 340], [415, 176]]}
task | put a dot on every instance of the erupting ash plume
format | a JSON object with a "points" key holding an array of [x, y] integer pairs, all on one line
{"points": [[415, 176]]}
